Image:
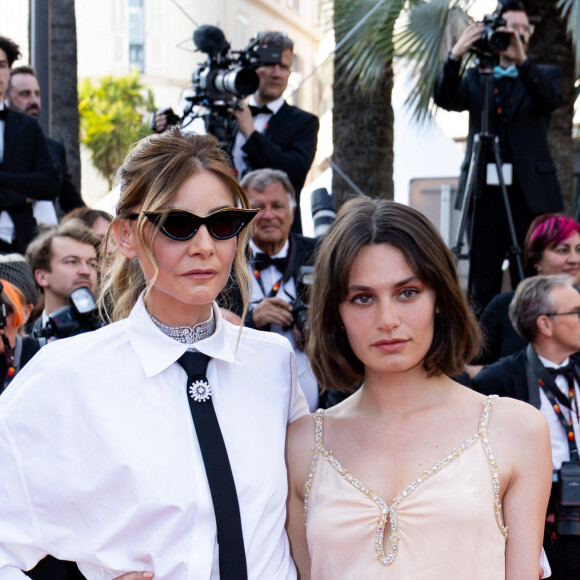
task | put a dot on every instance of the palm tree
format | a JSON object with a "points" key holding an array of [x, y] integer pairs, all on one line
{"points": [[113, 112], [421, 33]]}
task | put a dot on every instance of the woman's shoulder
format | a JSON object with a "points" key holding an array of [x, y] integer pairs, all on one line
{"points": [[251, 337], [517, 420]]}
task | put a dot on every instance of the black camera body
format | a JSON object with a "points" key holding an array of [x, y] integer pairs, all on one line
{"points": [[300, 304], [80, 316], [492, 39], [567, 509]]}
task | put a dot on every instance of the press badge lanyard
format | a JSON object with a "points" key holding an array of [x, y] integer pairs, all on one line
{"points": [[283, 279], [557, 400]]}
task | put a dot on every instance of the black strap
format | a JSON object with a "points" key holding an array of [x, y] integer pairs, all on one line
{"points": [[232, 556], [547, 383]]}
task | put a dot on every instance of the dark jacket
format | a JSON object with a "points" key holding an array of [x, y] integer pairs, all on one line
{"points": [[289, 144], [536, 93], [68, 196], [27, 172]]}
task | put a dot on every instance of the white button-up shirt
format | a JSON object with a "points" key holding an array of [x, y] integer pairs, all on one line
{"points": [[100, 463]]}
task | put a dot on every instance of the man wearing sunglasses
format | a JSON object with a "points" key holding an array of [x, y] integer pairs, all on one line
{"points": [[545, 310], [524, 96]]}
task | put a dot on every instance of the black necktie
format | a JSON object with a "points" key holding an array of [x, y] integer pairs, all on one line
{"points": [[232, 556], [260, 110], [566, 371], [263, 261], [3, 113]]}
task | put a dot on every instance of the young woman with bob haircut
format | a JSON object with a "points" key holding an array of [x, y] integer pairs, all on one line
{"points": [[101, 462], [414, 475]]}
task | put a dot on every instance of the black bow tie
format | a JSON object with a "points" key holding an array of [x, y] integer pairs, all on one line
{"points": [[566, 371], [263, 261], [3, 113], [260, 110]]}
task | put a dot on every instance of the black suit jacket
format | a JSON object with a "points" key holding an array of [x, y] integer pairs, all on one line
{"points": [[68, 196], [27, 172], [512, 376], [537, 92], [302, 250], [289, 144]]}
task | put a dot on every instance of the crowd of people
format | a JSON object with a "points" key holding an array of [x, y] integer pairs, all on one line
{"points": [[191, 388]]}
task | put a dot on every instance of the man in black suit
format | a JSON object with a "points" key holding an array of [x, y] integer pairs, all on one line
{"points": [[277, 256], [24, 96], [270, 132], [27, 172], [524, 96], [546, 311]]}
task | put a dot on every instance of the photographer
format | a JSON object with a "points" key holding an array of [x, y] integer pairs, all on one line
{"points": [[546, 312], [268, 132], [278, 258], [63, 259], [524, 96]]}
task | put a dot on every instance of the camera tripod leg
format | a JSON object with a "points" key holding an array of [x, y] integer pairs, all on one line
{"points": [[468, 197], [514, 250]]}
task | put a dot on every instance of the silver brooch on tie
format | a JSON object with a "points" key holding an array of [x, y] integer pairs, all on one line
{"points": [[200, 391]]}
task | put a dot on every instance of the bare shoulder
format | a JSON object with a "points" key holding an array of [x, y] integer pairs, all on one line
{"points": [[510, 415], [519, 435], [301, 431]]}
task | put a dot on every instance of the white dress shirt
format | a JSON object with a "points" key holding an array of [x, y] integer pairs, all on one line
{"points": [[286, 292], [558, 439], [101, 465], [260, 123]]}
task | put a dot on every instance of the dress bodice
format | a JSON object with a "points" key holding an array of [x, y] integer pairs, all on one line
{"points": [[445, 524]]}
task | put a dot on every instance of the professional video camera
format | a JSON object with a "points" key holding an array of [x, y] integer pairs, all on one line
{"points": [[492, 39], [80, 316], [226, 76]]}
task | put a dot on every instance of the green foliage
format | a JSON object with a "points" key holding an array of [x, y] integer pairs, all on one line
{"points": [[113, 113], [570, 10]]}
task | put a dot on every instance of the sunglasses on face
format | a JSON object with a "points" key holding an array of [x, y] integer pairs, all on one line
{"points": [[181, 225]]}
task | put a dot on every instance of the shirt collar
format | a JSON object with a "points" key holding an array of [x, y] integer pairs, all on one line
{"points": [[281, 254], [550, 365], [156, 351], [274, 106]]}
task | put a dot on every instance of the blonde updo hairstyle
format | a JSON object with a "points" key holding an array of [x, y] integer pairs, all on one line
{"points": [[149, 178]]}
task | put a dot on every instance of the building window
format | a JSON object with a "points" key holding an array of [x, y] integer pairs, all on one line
{"points": [[137, 35]]}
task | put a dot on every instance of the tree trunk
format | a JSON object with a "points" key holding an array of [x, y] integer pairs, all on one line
{"points": [[363, 139], [549, 45], [362, 132], [64, 120]]}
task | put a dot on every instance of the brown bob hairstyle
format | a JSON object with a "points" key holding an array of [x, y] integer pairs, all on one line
{"points": [[362, 222], [149, 179]]}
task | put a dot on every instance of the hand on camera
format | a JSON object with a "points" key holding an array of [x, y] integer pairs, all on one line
{"points": [[469, 36], [515, 53], [272, 311], [244, 118]]}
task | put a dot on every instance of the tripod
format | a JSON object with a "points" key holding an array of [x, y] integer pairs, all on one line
{"points": [[484, 142]]}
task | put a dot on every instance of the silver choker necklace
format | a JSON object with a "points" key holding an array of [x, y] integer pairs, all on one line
{"points": [[187, 334]]}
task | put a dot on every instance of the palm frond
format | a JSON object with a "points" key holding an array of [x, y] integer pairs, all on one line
{"points": [[570, 10]]}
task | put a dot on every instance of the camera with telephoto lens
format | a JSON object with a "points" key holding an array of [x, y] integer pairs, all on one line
{"points": [[567, 509], [80, 316], [225, 76], [300, 304], [492, 40]]}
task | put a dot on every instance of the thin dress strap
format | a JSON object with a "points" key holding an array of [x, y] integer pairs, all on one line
{"points": [[318, 445], [483, 434]]}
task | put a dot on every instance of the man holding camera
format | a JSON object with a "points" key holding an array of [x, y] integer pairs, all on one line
{"points": [[545, 311], [278, 257], [63, 259], [524, 96], [270, 132]]}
